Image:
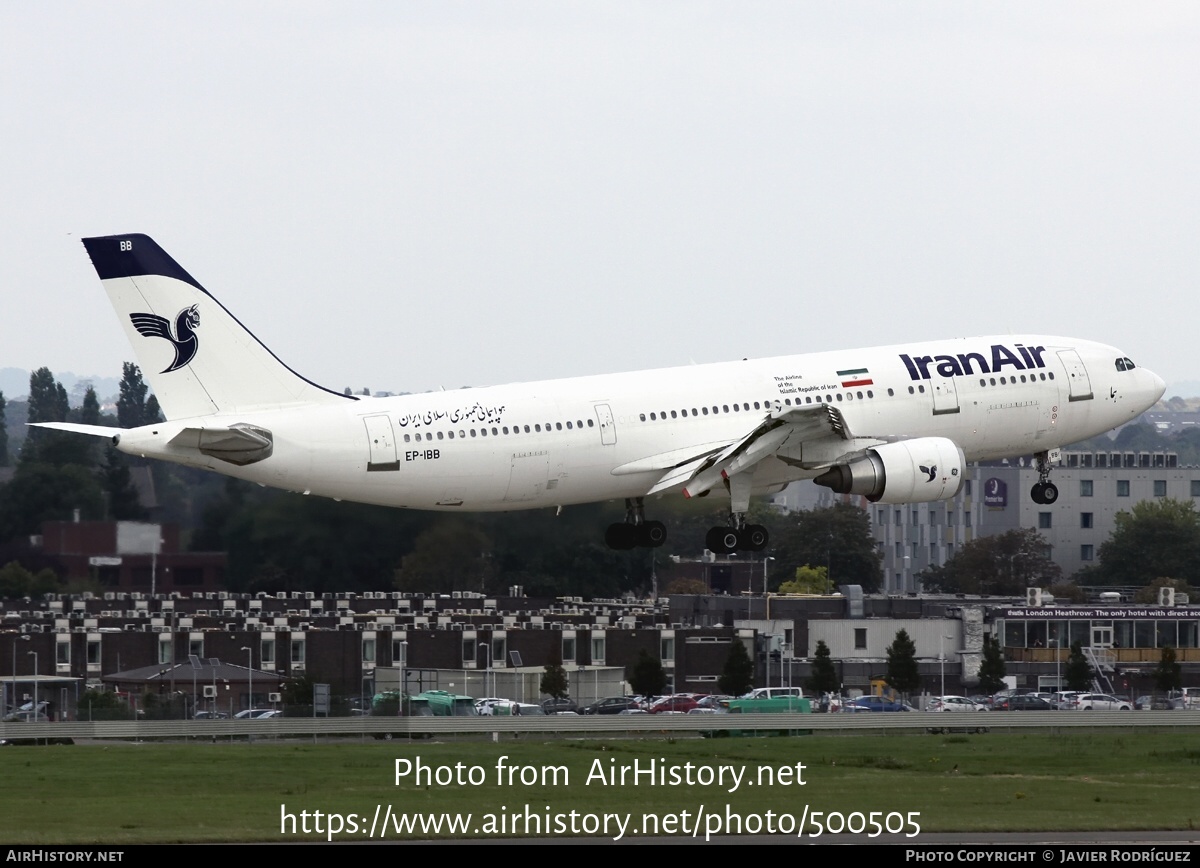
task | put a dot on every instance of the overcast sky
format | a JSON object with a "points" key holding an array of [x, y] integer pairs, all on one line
{"points": [[412, 195]]}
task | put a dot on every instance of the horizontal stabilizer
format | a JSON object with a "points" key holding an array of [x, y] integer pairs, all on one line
{"points": [[75, 428]]}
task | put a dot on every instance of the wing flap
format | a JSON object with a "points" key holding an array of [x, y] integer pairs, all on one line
{"points": [[779, 429]]}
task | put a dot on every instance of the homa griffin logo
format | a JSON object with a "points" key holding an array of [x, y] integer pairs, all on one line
{"points": [[1018, 358], [184, 340]]}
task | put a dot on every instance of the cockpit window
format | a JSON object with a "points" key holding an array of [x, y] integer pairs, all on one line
{"points": [[1125, 364]]}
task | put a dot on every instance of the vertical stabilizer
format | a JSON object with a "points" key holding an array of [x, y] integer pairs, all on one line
{"points": [[196, 356]]}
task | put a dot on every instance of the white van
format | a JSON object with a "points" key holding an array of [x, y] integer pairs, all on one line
{"points": [[773, 693]]}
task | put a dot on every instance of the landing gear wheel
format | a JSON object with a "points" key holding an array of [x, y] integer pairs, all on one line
{"points": [[1037, 492], [652, 534], [755, 537], [1049, 492], [722, 540], [621, 536]]}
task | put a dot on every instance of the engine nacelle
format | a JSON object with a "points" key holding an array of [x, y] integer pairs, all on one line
{"points": [[909, 471]]}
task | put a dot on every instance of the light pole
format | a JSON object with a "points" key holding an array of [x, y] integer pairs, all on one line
{"points": [[403, 673], [1057, 663], [766, 604], [488, 670], [942, 658], [23, 638], [35, 684], [250, 677]]}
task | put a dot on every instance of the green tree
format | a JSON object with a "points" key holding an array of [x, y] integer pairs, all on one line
{"points": [[131, 402], [1003, 564], [42, 492], [48, 403], [992, 668], [1159, 537], [738, 675], [1149, 594], [15, 581], [1078, 673], [838, 538], [903, 675], [824, 677], [117, 482], [103, 705], [554, 678], [153, 412], [809, 580], [686, 586], [452, 555], [1169, 674], [647, 676], [3, 432], [89, 412]]}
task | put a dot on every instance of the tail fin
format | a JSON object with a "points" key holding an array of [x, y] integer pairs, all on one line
{"points": [[196, 356]]}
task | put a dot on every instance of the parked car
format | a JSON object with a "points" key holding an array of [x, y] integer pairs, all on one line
{"points": [[673, 705], [484, 706], [1022, 702], [509, 708], [877, 703], [560, 706], [954, 703], [254, 713], [1098, 702], [1060, 699], [611, 705], [1171, 702], [1168, 703]]}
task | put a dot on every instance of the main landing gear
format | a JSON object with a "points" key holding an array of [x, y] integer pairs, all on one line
{"points": [[1044, 491], [739, 535], [635, 531]]}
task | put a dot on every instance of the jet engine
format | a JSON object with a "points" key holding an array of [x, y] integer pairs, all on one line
{"points": [[908, 471]]}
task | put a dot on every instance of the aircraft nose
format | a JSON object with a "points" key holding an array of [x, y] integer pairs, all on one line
{"points": [[1157, 387]]}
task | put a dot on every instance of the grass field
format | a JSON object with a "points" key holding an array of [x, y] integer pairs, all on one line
{"points": [[155, 793]]}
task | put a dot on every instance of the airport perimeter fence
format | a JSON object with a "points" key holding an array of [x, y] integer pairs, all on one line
{"points": [[600, 726]]}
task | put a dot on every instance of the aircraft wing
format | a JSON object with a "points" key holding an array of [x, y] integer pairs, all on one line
{"points": [[780, 429]]}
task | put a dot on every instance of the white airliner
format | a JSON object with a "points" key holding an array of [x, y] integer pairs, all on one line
{"points": [[896, 424]]}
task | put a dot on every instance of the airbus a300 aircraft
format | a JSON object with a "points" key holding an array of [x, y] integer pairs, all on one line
{"points": [[896, 424]]}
